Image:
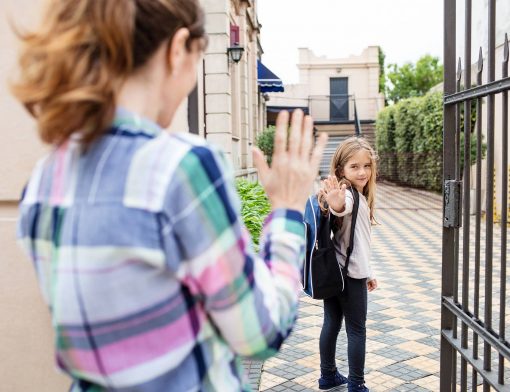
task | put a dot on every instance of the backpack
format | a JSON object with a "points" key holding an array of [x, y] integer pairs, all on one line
{"points": [[322, 276]]}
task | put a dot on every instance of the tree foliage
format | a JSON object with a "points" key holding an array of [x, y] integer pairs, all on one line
{"points": [[413, 80], [382, 76]]}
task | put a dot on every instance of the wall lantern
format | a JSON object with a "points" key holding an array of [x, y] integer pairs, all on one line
{"points": [[235, 53]]}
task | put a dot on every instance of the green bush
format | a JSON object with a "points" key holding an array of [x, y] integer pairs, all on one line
{"points": [[409, 141], [407, 123], [430, 145], [265, 141], [385, 142], [254, 206]]}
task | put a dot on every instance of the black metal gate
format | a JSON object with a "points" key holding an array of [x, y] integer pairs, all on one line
{"points": [[474, 347]]}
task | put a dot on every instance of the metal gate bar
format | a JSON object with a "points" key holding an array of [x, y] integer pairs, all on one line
{"points": [[466, 192], [478, 215], [479, 91], [476, 364], [504, 213], [457, 178], [447, 365], [491, 71]]}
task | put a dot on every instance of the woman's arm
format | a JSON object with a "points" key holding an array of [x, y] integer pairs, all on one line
{"points": [[251, 299]]}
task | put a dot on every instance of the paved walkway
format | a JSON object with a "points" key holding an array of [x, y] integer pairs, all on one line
{"points": [[404, 313]]}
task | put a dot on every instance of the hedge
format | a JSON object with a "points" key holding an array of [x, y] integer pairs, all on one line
{"points": [[255, 207], [407, 128], [409, 142], [385, 141]]}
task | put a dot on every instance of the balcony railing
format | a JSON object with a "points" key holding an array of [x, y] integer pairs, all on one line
{"points": [[343, 108]]}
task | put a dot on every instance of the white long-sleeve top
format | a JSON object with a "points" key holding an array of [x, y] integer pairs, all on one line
{"points": [[359, 264]]}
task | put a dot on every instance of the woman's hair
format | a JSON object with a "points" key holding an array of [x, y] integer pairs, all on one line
{"points": [[343, 153], [72, 67]]}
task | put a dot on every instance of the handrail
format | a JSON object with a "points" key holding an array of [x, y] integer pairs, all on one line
{"points": [[357, 122], [336, 107]]}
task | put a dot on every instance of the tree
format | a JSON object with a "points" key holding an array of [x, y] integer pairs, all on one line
{"points": [[382, 77], [412, 80], [265, 142]]}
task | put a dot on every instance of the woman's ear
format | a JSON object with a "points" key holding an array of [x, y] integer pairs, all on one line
{"points": [[177, 50]]}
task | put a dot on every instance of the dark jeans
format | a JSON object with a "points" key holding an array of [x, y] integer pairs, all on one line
{"points": [[353, 306]]}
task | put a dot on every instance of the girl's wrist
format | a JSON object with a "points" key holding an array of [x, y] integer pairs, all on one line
{"points": [[336, 211]]}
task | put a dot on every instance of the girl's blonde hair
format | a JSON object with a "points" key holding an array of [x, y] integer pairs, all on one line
{"points": [[343, 153], [72, 67]]}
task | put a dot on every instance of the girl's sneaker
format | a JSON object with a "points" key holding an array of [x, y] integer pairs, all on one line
{"points": [[332, 380], [352, 387]]}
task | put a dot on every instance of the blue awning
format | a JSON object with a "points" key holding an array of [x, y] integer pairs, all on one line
{"points": [[267, 80]]}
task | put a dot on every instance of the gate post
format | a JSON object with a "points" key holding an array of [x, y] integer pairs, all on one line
{"points": [[448, 354]]}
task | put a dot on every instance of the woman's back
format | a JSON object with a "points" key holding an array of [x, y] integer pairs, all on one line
{"points": [[136, 235], [114, 270]]}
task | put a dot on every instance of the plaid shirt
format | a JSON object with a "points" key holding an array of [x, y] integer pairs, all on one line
{"points": [[147, 268]]}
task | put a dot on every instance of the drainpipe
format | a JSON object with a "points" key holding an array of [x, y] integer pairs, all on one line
{"points": [[193, 111]]}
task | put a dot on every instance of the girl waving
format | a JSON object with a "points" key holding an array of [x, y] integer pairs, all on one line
{"points": [[354, 165]]}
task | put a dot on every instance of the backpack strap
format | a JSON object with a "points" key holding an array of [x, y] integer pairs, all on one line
{"points": [[354, 215]]}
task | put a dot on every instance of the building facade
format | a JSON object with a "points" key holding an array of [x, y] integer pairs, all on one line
{"points": [[226, 108], [341, 94]]}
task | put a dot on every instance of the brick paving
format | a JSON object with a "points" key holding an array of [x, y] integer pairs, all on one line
{"points": [[404, 313], [403, 326]]}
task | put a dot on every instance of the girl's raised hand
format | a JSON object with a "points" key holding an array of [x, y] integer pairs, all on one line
{"points": [[335, 194], [288, 182]]}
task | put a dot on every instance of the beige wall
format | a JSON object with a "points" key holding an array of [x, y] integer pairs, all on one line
{"points": [[19, 148], [294, 95], [314, 77], [26, 351]]}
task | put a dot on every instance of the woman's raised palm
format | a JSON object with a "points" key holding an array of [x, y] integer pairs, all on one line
{"points": [[289, 180]]}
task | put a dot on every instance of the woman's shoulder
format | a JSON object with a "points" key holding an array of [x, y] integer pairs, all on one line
{"points": [[188, 138], [169, 161], [31, 193], [188, 142], [200, 152], [168, 150]]}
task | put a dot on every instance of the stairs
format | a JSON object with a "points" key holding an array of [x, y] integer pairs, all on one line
{"points": [[329, 151], [337, 134]]}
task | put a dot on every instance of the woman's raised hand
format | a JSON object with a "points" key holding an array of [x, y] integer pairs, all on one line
{"points": [[335, 194], [295, 164]]}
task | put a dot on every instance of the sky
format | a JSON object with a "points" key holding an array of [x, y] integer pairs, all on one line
{"points": [[405, 30]]}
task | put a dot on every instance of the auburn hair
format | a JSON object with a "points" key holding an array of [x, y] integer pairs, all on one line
{"points": [[343, 153], [72, 67]]}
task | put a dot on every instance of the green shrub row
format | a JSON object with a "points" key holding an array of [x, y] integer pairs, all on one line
{"points": [[254, 207], [409, 142]]}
